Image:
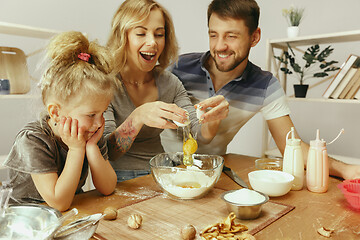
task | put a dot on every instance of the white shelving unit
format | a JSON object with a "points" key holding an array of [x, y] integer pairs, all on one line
{"points": [[272, 65], [23, 31]]}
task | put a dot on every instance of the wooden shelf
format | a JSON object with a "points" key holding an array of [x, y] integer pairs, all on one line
{"points": [[26, 31], [19, 96], [349, 36], [323, 100], [273, 66]]}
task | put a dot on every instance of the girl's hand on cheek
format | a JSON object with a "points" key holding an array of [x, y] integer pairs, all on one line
{"points": [[97, 135], [70, 134]]}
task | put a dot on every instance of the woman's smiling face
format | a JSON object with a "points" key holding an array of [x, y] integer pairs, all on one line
{"points": [[146, 41]]}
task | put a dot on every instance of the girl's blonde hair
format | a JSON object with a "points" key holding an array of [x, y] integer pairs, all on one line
{"points": [[130, 13], [71, 74]]}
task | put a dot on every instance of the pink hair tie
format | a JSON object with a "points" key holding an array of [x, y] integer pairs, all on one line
{"points": [[84, 56]]}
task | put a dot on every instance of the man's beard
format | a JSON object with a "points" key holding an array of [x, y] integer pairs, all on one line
{"points": [[229, 68]]}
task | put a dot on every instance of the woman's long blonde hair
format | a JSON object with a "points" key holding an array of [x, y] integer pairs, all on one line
{"points": [[130, 13], [69, 74]]}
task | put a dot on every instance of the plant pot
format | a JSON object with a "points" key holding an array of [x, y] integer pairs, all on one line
{"points": [[300, 90], [293, 31]]}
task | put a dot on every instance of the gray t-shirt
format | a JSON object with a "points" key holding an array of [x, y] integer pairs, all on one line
{"points": [[147, 143], [37, 150]]}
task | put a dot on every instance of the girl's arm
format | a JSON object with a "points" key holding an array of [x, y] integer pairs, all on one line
{"points": [[59, 191], [103, 175]]}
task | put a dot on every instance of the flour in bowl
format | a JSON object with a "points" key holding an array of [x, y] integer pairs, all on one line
{"points": [[187, 184], [244, 196]]}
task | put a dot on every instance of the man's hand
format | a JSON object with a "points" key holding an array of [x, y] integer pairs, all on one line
{"points": [[219, 109]]}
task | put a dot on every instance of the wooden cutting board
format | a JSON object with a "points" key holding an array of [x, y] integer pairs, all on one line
{"points": [[164, 217], [13, 66]]}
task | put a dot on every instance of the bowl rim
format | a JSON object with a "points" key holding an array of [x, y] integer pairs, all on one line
{"points": [[181, 153], [35, 205], [266, 160], [252, 173], [244, 205]]}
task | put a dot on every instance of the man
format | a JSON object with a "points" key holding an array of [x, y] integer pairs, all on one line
{"points": [[226, 70]]}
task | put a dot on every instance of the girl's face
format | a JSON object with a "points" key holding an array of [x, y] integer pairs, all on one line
{"points": [[146, 41], [88, 111]]}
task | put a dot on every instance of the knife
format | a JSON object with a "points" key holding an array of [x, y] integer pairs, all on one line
{"points": [[234, 177]]}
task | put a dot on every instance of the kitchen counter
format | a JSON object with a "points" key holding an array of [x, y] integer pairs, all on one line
{"points": [[312, 210]]}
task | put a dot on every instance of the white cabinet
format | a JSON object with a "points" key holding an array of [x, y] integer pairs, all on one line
{"points": [[273, 66], [18, 64], [10, 120]]}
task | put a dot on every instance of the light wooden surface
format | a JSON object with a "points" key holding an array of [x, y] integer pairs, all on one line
{"points": [[26, 31], [13, 66], [311, 212]]}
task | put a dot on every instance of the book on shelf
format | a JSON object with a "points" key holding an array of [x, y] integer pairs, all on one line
{"points": [[352, 84], [345, 67], [357, 95], [353, 90], [343, 83]]}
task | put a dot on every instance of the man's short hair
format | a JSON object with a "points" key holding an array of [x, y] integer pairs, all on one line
{"points": [[248, 10]]}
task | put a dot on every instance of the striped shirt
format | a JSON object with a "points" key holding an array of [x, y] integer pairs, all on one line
{"points": [[252, 92]]}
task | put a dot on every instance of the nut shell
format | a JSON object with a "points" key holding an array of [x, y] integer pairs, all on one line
{"points": [[134, 221], [188, 232], [110, 213]]}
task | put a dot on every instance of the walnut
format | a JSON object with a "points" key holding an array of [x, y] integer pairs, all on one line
{"points": [[110, 213], [188, 232], [325, 232], [134, 221]]}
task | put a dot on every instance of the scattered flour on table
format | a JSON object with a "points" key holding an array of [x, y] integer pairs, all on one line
{"points": [[244, 196], [142, 193]]}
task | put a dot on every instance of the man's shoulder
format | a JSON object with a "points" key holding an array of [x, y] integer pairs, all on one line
{"points": [[256, 71], [190, 63], [259, 78]]}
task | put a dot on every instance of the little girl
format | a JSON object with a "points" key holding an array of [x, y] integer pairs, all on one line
{"points": [[50, 158]]}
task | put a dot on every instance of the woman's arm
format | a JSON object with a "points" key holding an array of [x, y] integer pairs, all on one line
{"points": [[153, 114]]}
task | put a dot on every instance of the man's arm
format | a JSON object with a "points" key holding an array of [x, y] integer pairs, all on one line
{"points": [[279, 127]]}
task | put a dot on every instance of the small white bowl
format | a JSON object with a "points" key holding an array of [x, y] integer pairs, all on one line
{"points": [[271, 182]]}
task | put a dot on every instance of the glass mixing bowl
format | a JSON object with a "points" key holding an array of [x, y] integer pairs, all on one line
{"points": [[181, 182]]}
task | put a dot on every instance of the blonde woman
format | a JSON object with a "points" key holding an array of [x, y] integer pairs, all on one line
{"points": [[50, 158], [143, 41]]}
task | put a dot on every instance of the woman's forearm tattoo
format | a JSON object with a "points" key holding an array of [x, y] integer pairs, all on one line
{"points": [[123, 137]]}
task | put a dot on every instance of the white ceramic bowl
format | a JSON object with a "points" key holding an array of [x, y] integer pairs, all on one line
{"points": [[182, 182], [271, 182]]}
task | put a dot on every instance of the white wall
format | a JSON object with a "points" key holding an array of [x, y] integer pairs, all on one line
{"points": [[93, 17]]}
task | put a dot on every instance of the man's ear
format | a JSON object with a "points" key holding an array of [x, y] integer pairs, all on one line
{"points": [[255, 37], [54, 111]]}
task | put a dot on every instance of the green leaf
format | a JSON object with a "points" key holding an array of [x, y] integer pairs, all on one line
{"points": [[282, 60], [325, 53], [331, 69], [310, 55], [286, 70], [320, 74], [326, 64]]}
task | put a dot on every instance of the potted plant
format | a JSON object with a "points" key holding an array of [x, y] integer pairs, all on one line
{"points": [[293, 16], [312, 57]]}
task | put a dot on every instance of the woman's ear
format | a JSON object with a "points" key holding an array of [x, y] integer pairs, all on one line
{"points": [[54, 111]]}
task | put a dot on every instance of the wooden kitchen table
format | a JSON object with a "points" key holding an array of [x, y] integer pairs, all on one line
{"points": [[312, 210]]}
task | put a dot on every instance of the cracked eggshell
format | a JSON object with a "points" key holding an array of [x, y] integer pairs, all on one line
{"points": [[182, 124], [199, 113]]}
